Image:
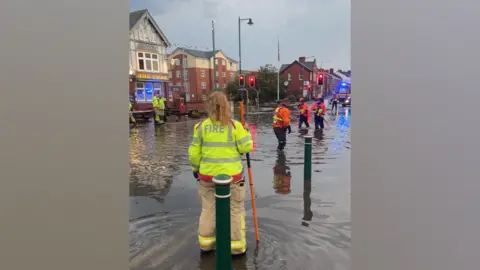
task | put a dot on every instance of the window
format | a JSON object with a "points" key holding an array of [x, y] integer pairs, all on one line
{"points": [[177, 62], [157, 89], [179, 83], [204, 97], [169, 74], [231, 65], [204, 85], [223, 62], [223, 74], [184, 61], [202, 73], [216, 61], [148, 62], [144, 92], [185, 75], [289, 76], [300, 76], [216, 73], [224, 85], [232, 75], [177, 74]]}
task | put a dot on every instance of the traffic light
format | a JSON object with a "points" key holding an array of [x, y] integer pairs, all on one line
{"points": [[241, 81], [251, 81], [320, 79]]}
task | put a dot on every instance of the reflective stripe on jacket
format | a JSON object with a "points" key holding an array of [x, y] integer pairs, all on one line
{"points": [[277, 120], [303, 108], [216, 149], [281, 117], [319, 110]]}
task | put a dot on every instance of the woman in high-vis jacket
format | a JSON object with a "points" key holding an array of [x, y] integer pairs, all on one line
{"points": [[217, 146]]}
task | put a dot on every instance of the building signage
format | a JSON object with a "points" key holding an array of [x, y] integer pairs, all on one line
{"points": [[147, 47], [306, 83], [152, 76]]}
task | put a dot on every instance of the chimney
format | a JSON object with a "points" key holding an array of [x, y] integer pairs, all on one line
{"points": [[301, 59]]}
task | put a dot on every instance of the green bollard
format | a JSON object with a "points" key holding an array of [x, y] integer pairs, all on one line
{"points": [[307, 168], [222, 221]]}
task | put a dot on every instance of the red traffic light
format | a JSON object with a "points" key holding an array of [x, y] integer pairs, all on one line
{"points": [[251, 81], [320, 79], [241, 80]]}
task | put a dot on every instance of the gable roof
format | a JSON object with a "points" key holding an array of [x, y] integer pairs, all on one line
{"points": [[202, 54], [342, 76], [346, 73], [335, 76], [138, 15], [307, 65]]}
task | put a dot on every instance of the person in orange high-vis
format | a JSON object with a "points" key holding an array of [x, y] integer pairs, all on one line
{"points": [[319, 110], [281, 124], [303, 109]]}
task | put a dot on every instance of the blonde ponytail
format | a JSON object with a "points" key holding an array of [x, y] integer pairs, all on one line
{"points": [[218, 108]]}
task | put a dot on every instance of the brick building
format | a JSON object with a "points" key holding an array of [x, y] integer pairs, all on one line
{"points": [[148, 72], [191, 72], [302, 77], [331, 82]]}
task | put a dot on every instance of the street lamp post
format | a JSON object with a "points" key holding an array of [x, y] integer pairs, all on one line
{"points": [[214, 57], [250, 22]]}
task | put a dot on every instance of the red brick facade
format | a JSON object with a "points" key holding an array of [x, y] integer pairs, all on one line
{"points": [[198, 76], [301, 75]]}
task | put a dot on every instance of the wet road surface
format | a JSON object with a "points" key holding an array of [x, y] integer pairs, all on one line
{"points": [[303, 224]]}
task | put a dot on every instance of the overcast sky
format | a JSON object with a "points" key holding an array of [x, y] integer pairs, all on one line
{"points": [[319, 28]]}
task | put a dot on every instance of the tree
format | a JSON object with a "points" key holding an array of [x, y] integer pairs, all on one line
{"points": [[232, 90], [266, 88], [267, 80]]}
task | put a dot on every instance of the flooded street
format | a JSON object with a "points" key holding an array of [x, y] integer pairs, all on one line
{"points": [[303, 225]]}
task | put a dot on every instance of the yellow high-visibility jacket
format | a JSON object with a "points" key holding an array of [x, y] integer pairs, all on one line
{"points": [[161, 103], [155, 102], [217, 149]]}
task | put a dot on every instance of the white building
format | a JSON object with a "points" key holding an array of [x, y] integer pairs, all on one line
{"points": [[148, 59]]}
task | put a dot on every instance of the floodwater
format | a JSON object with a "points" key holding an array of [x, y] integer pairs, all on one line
{"points": [[303, 224]]}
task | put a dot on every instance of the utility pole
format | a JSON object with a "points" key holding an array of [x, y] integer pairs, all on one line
{"points": [[214, 57], [239, 47], [278, 71], [250, 22]]}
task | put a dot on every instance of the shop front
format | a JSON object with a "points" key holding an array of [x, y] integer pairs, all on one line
{"points": [[145, 85]]}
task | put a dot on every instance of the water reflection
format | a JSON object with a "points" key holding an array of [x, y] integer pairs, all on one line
{"points": [[307, 203], [281, 175], [207, 262], [154, 160]]}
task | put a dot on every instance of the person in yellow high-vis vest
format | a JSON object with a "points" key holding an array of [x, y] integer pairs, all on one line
{"points": [[161, 107], [156, 108], [132, 119], [217, 145]]}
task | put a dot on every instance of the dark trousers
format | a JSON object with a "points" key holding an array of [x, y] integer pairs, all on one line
{"points": [[281, 134], [303, 119], [319, 122], [334, 105]]}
